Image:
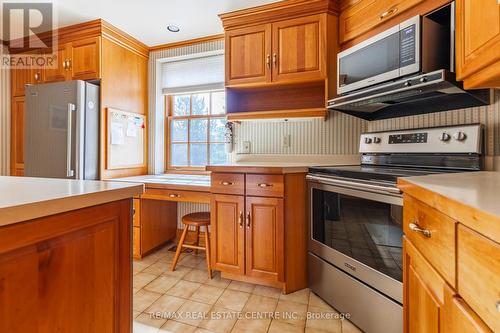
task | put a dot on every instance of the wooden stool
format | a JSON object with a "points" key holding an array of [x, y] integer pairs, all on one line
{"points": [[198, 220]]}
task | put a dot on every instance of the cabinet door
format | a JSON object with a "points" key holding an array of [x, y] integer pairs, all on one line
{"points": [[17, 137], [59, 72], [248, 55], [158, 224], [299, 48], [264, 238], [85, 59], [478, 42], [227, 232], [423, 293], [19, 79]]}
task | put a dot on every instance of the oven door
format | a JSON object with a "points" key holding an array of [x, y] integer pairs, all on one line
{"points": [[360, 232]]}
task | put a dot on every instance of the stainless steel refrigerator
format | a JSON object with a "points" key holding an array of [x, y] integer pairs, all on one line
{"points": [[62, 130]]}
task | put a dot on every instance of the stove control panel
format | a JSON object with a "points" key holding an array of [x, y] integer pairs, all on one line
{"points": [[453, 139]]}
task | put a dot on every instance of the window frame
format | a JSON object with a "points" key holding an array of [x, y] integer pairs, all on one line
{"points": [[169, 117]]}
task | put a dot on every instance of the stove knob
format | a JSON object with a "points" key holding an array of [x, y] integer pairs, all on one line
{"points": [[460, 136], [368, 140], [423, 79], [377, 140], [408, 83], [444, 137]]}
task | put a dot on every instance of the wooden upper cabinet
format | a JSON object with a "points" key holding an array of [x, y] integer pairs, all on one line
{"points": [[228, 233], [364, 15], [248, 55], [478, 43], [58, 72], [423, 290], [17, 136], [19, 79], [299, 48], [85, 61], [264, 238]]}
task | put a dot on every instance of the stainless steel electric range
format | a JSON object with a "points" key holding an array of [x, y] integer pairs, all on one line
{"points": [[356, 215]]}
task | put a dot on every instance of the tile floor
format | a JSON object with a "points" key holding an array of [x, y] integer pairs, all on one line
{"points": [[187, 301]]}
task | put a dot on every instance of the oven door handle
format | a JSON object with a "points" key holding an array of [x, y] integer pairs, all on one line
{"points": [[353, 185]]}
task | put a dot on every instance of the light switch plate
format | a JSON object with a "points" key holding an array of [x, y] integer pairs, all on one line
{"points": [[246, 147]]}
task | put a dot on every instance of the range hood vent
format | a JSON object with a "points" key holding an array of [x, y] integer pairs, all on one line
{"points": [[426, 93]]}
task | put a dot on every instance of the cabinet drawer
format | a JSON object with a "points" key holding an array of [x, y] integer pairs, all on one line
{"points": [[228, 183], [176, 195], [136, 217], [478, 279], [265, 185], [437, 245]]}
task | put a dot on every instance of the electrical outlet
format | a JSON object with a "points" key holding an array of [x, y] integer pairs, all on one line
{"points": [[246, 147], [286, 141]]}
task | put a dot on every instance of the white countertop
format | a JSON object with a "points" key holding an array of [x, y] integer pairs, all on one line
{"points": [[26, 198], [479, 190]]}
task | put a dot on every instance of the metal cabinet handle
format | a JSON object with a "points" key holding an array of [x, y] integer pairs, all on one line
{"points": [[174, 195], [248, 220], [68, 64], [133, 211], [226, 183], [264, 185], [69, 138], [268, 61], [240, 219], [415, 228], [388, 13], [498, 306], [37, 76], [275, 59]]}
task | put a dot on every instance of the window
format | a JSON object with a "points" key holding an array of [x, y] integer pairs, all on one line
{"points": [[196, 125]]}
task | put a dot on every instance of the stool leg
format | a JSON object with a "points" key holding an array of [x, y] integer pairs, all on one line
{"points": [[197, 239], [207, 251], [179, 248]]}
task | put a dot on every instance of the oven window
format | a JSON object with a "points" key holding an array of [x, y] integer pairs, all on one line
{"points": [[375, 59], [365, 230]]}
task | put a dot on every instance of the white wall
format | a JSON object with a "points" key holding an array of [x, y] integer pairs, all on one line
{"points": [[4, 120]]}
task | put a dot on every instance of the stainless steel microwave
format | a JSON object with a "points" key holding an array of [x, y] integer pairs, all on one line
{"points": [[417, 45]]}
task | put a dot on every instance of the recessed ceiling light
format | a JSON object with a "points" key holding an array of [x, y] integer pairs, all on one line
{"points": [[173, 28]]}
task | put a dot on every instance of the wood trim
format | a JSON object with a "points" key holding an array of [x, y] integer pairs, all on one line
{"points": [[189, 42], [123, 39], [299, 113], [270, 170], [278, 11]]}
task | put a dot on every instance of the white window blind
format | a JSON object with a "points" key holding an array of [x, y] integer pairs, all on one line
{"points": [[192, 75]]}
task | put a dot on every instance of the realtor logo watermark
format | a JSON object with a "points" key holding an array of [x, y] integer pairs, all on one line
{"points": [[28, 35]]}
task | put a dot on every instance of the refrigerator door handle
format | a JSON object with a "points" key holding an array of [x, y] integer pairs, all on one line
{"points": [[69, 172]]}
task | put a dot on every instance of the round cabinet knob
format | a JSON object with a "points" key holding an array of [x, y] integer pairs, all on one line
{"points": [[368, 140], [377, 140], [460, 136], [444, 137]]}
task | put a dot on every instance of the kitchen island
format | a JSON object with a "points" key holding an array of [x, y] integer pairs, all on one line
{"points": [[65, 255]]}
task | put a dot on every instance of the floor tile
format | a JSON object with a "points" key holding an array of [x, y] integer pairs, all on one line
{"points": [[282, 327], [196, 275], [251, 325], [179, 273], [323, 319], [233, 300], [207, 294], [138, 266], [135, 313], [316, 301], [146, 319], [157, 268], [220, 320], [301, 296], [218, 281], [241, 286], [143, 299], [348, 327], [142, 279], [165, 306], [183, 289], [292, 312], [138, 327], [161, 284], [257, 303], [177, 327], [190, 261], [193, 313], [202, 330], [267, 291]]}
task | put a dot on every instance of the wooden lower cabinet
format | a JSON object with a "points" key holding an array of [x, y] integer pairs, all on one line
{"points": [[158, 224], [17, 136], [264, 238], [69, 272], [228, 233]]}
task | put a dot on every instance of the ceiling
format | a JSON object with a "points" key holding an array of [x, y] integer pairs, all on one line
{"points": [[147, 20]]}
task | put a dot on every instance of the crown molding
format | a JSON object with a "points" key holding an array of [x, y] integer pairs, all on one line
{"points": [[188, 42]]}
